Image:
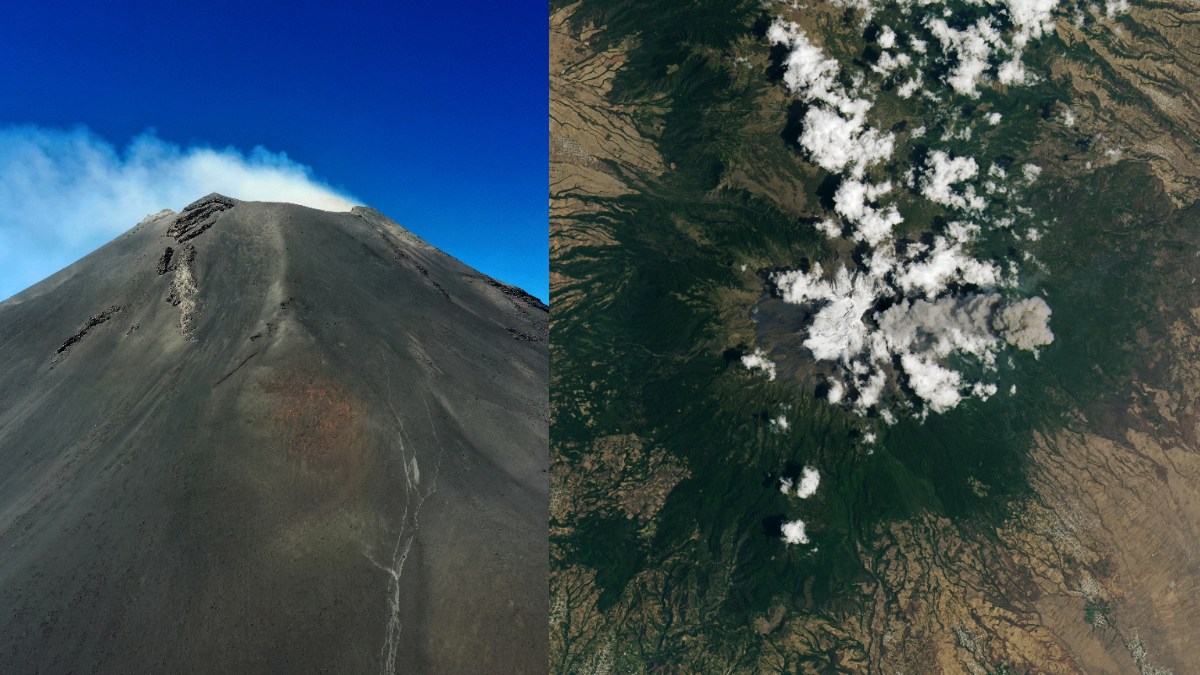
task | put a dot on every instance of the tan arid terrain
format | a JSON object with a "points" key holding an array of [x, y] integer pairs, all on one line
{"points": [[1139, 90], [595, 150]]}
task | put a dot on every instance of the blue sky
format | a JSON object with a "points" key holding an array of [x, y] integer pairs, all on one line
{"points": [[432, 112]]}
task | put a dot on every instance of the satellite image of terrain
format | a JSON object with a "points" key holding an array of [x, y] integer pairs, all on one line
{"points": [[876, 337], [257, 437]]}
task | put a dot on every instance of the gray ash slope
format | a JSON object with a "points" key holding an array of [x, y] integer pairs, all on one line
{"points": [[257, 437]]}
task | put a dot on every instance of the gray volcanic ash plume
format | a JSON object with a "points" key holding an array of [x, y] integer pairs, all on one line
{"points": [[259, 437]]}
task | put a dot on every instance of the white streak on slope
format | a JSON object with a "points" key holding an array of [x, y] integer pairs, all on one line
{"points": [[407, 534]]}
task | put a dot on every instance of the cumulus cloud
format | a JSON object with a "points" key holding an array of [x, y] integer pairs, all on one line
{"points": [[943, 173], [810, 478], [974, 48], [1012, 71], [912, 86], [758, 361], [836, 392], [837, 143], [853, 201], [889, 63], [806, 484], [887, 37], [63, 192], [911, 317], [829, 227], [928, 315], [936, 385], [785, 485], [838, 331], [793, 532], [932, 269], [835, 133], [1032, 19], [807, 71], [991, 47], [917, 332], [1115, 8], [971, 47]]}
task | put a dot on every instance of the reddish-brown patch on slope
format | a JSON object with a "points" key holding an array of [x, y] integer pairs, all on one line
{"points": [[317, 418]]}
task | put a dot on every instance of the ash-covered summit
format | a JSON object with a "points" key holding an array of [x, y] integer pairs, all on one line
{"points": [[259, 437]]}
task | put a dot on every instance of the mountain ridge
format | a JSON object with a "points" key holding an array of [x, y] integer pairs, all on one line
{"points": [[274, 439]]}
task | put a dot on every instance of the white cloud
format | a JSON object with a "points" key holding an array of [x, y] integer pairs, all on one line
{"points": [[759, 361], [943, 173], [887, 37], [807, 71], [810, 478], [938, 386], [1012, 71], [793, 532], [64, 193], [972, 47], [836, 134], [946, 262], [837, 143], [836, 391], [909, 88], [925, 327], [837, 331], [889, 62], [870, 388], [829, 227], [916, 315], [1032, 19], [983, 391], [867, 7], [853, 200]]}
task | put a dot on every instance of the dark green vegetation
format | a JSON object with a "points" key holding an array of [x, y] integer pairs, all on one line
{"points": [[654, 337], [1095, 612], [301, 442]]}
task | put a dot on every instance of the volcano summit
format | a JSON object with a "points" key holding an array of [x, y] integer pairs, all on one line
{"points": [[259, 437]]}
